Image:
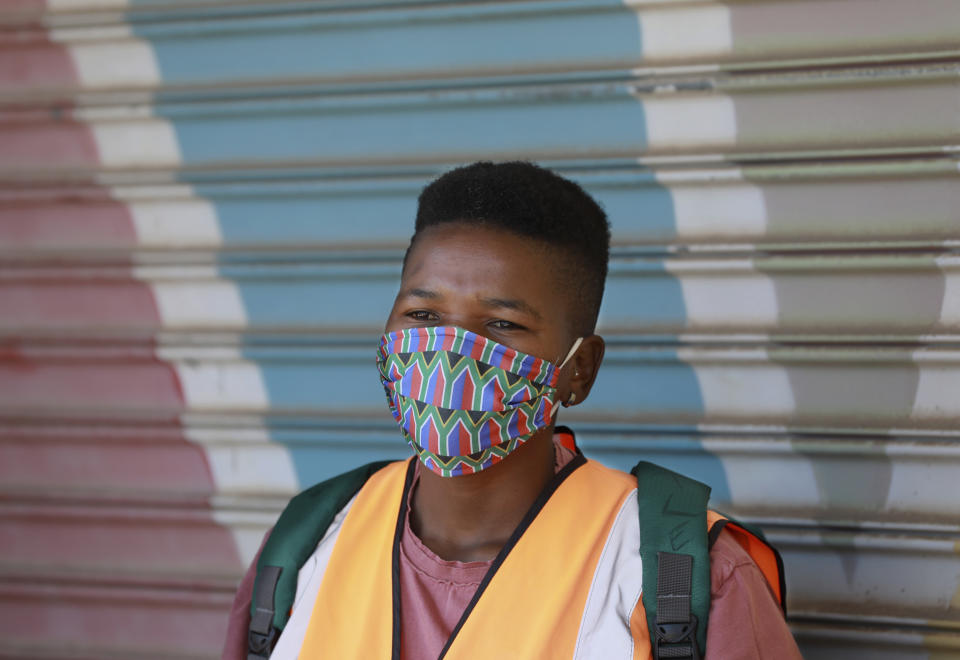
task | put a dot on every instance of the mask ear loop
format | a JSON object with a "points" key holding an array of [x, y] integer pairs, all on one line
{"points": [[573, 349]]}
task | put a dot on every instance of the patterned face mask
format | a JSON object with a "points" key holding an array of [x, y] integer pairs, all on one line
{"points": [[464, 402]]}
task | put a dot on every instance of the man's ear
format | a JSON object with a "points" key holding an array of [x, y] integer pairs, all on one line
{"points": [[585, 365]]}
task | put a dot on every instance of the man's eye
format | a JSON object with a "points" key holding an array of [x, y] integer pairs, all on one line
{"points": [[420, 315], [501, 324]]}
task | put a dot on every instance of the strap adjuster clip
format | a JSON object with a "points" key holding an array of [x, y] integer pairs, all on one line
{"points": [[261, 645], [677, 640]]}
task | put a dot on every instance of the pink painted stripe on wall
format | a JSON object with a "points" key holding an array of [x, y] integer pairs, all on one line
{"points": [[31, 60], [109, 544], [138, 622], [153, 542], [38, 66], [75, 305], [22, 8], [149, 464], [66, 224], [57, 143], [104, 388]]}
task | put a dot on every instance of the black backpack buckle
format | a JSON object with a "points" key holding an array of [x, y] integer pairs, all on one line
{"points": [[676, 640], [260, 646]]}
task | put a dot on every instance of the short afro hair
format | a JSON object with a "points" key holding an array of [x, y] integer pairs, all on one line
{"points": [[533, 202]]}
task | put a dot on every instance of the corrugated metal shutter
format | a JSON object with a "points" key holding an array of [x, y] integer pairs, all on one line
{"points": [[203, 210]]}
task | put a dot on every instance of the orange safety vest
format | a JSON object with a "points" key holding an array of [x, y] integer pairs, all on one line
{"points": [[572, 575], [546, 576]]}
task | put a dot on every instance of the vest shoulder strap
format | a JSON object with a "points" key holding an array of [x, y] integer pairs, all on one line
{"points": [[294, 538]]}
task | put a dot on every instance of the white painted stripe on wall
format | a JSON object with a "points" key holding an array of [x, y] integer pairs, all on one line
{"points": [[912, 573], [726, 295], [140, 143], [247, 528], [727, 210], [743, 384], [950, 309], [75, 5], [671, 31], [109, 57], [176, 223], [759, 477], [245, 461], [679, 120], [198, 304], [937, 472], [937, 398], [217, 386], [155, 192], [774, 476], [614, 591]]}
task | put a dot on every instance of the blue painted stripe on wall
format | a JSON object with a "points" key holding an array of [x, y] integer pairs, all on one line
{"points": [[435, 131], [373, 219], [333, 387], [639, 208], [648, 384], [640, 288], [380, 44], [341, 303]]}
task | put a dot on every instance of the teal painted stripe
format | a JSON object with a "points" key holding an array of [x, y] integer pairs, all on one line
{"points": [[647, 386], [376, 219], [639, 208], [317, 305], [334, 388], [641, 297], [459, 129], [364, 44]]}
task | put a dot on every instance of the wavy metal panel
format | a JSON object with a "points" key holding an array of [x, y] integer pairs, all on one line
{"points": [[188, 189]]}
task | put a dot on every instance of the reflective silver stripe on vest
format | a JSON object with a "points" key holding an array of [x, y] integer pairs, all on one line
{"points": [[614, 592], [308, 585]]}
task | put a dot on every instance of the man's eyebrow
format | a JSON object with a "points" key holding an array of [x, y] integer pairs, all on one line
{"points": [[419, 293], [517, 305]]}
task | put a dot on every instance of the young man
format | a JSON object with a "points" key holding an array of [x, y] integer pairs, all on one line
{"points": [[498, 539]]}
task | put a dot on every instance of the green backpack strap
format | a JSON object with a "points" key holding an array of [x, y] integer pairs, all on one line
{"points": [[293, 539], [675, 554]]}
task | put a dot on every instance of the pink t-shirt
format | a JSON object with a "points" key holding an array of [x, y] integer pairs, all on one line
{"points": [[434, 592]]}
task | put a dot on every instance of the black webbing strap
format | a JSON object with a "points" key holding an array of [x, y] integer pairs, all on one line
{"points": [[676, 625], [673, 529], [262, 635]]}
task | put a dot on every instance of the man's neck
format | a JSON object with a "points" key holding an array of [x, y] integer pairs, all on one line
{"points": [[471, 517]]}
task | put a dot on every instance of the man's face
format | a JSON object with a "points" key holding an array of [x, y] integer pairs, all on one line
{"points": [[489, 281]]}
